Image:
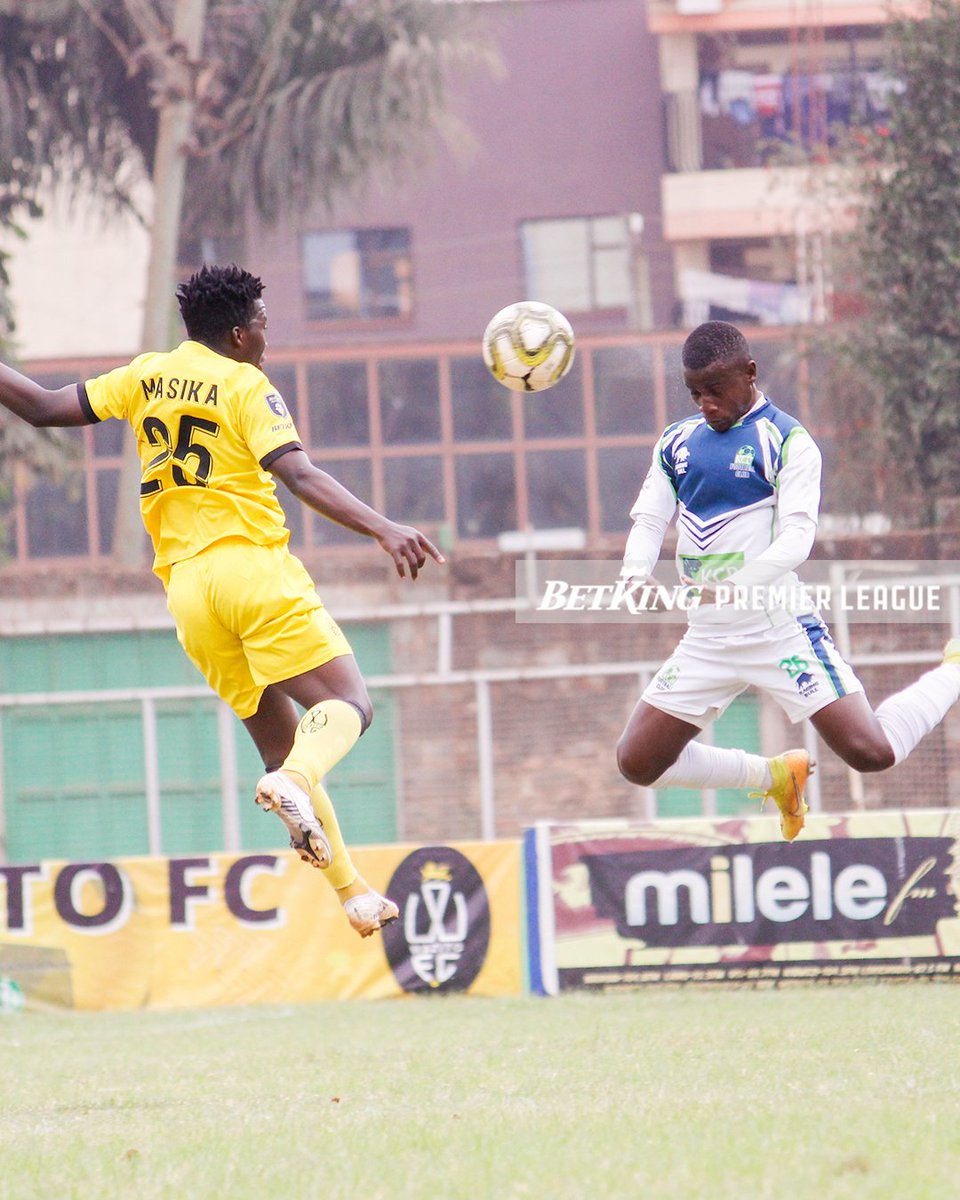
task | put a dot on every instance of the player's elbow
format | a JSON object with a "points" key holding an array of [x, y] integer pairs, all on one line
{"points": [[38, 412]]}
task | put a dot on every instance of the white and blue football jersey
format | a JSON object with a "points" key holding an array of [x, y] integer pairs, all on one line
{"points": [[730, 491]]}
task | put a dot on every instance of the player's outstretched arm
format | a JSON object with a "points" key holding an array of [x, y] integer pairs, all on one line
{"points": [[407, 546], [39, 405]]}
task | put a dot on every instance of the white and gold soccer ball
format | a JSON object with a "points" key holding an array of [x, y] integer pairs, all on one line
{"points": [[528, 346]]}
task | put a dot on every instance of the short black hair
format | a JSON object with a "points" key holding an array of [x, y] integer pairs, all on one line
{"points": [[713, 342], [215, 299]]}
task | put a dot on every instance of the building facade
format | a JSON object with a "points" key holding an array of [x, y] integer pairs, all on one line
{"points": [[757, 94], [553, 194], [635, 165], [585, 185]]}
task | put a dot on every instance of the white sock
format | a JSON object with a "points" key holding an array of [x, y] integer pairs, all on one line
{"points": [[701, 766], [908, 716]]}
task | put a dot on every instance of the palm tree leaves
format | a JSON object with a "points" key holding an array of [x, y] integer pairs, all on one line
{"points": [[335, 97], [293, 100], [71, 110]]}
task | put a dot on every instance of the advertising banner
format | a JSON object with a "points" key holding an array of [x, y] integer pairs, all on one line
{"points": [[259, 928], [857, 896]]}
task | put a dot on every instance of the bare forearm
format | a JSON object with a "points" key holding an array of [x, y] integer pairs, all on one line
{"points": [[38, 405], [407, 546], [332, 500]]}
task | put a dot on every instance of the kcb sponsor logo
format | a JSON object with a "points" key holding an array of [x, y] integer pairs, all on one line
{"points": [[743, 461]]}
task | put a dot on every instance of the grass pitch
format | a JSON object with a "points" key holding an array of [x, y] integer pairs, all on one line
{"points": [[820, 1093]]}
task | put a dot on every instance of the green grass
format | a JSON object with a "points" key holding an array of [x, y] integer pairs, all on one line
{"points": [[697, 1094]]}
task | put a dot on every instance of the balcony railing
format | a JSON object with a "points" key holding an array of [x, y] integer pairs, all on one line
{"points": [[746, 119]]}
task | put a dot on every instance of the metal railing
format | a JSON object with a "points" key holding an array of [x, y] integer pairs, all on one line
{"points": [[477, 708]]}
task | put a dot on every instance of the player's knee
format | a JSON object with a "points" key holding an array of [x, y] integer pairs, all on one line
{"points": [[364, 707], [635, 767], [870, 757], [881, 758]]}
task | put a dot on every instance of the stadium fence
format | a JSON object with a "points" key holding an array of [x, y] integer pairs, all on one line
{"points": [[485, 726]]}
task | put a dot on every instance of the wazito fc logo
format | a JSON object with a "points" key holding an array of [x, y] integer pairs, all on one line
{"points": [[441, 940]]}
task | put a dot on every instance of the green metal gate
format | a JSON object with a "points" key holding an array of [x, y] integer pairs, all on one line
{"points": [[73, 775]]}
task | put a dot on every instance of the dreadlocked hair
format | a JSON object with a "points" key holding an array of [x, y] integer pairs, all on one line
{"points": [[714, 342], [215, 299]]}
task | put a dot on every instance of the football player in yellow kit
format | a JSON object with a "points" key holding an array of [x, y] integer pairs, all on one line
{"points": [[212, 434]]}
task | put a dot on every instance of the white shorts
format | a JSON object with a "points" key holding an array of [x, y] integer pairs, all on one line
{"points": [[797, 664]]}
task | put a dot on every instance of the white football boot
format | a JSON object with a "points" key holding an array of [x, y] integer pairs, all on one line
{"points": [[278, 793], [369, 912]]}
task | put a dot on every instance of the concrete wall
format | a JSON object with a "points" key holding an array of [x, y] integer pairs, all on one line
{"points": [[78, 282]]}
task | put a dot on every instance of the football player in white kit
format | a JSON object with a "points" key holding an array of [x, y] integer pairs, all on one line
{"points": [[743, 480]]}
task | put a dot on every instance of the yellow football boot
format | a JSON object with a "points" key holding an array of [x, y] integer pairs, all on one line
{"points": [[790, 772]]}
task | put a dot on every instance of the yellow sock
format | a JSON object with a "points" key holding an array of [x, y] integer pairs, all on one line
{"points": [[325, 733], [341, 872]]}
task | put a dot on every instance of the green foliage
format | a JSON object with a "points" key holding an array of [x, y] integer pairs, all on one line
{"points": [[907, 253], [73, 109], [294, 100], [313, 100]]}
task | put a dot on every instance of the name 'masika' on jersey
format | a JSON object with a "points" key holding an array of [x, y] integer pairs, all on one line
{"points": [[191, 391]]}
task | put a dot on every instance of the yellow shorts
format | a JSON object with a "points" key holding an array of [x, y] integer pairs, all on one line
{"points": [[249, 616]]}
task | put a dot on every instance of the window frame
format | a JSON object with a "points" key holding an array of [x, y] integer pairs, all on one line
{"points": [[318, 310]]}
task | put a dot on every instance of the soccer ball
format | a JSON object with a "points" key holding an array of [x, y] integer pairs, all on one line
{"points": [[528, 346]]}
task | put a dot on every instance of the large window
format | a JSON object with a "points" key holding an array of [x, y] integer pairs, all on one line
{"points": [[427, 436], [357, 274], [337, 403], [409, 401], [579, 264]]}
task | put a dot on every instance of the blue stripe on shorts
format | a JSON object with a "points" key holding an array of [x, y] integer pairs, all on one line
{"points": [[821, 644]]}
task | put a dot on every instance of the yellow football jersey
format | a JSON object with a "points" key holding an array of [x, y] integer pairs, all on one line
{"points": [[207, 427]]}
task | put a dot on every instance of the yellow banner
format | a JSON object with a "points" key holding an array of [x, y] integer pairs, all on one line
{"points": [[259, 928]]}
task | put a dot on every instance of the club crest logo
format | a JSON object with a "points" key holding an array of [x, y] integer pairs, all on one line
{"points": [[667, 678], [794, 665], [276, 405], [742, 463], [313, 721], [440, 942], [806, 684], [681, 460]]}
